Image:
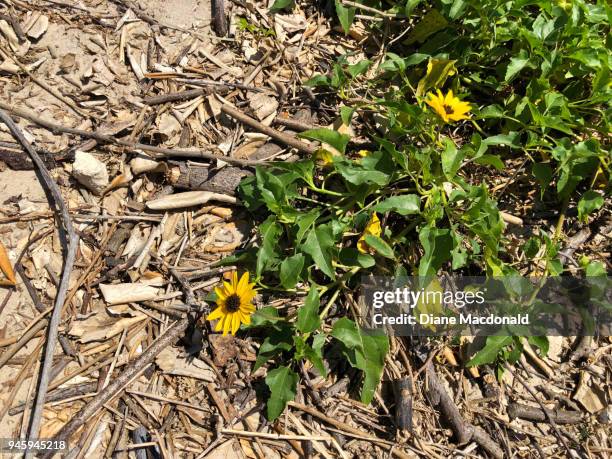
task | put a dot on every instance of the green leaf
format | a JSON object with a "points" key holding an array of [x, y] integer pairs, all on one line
{"points": [[308, 315], [380, 246], [430, 23], [352, 257], [407, 204], [328, 136], [438, 70], [490, 160], [304, 223], [345, 16], [457, 8], [516, 64], [347, 332], [267, 256], [346, 113], [438, 245], [451, 159], [265, 316], [543, 174], [510, 140], [272, 190], [320, 245], [541, 342], [595, 269], [488, 354], [279, 340], [290, 270], [359, 68], [282, 382], [282, 4], [590, 201], [316, 357], [411, 5], [531, 248], [318, 80], [364, 351], [376, 168]]}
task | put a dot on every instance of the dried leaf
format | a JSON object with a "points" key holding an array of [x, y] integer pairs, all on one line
{"points": [[188, 199], [5, 266], [171, 363]]}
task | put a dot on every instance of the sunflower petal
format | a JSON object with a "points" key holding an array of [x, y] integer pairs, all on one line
{"points": [[219, 325], [227, 324], [243, 283], [221, 296], [246, 318], [216, 314], [247, 307], [235, 323]]}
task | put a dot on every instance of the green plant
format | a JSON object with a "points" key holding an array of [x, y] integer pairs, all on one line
{"points": [[537, 76]]}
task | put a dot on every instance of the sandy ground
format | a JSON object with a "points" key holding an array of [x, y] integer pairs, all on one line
{"points": [[16, 184], [180, 13], [61, 39]]}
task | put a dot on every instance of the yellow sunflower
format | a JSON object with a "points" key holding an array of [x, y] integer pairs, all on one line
{"points": [[448, 107], [234, 301], [373, 227]]}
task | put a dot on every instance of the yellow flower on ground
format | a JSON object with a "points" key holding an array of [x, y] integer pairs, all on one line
{"points": [[235, 304], [448, 107], [364, 153], [324, 157], [373, 227]]}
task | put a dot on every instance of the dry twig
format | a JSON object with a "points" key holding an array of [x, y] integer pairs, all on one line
{"points": [[72, 243]]}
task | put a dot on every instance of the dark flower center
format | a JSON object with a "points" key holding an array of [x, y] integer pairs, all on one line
{"points": [[448, 109], [232, 303]]}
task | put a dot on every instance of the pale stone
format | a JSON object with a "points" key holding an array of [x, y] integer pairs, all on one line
{"points": [[90, 172]]}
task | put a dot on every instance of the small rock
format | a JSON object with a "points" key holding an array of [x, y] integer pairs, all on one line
{"points": [[90, 172], [143, 163], [604, 416]]}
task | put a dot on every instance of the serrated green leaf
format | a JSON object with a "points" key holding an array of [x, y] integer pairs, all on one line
{"points": [[531, 248], [406, 204], [308, 315], [320, 245], [282, 382]]}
